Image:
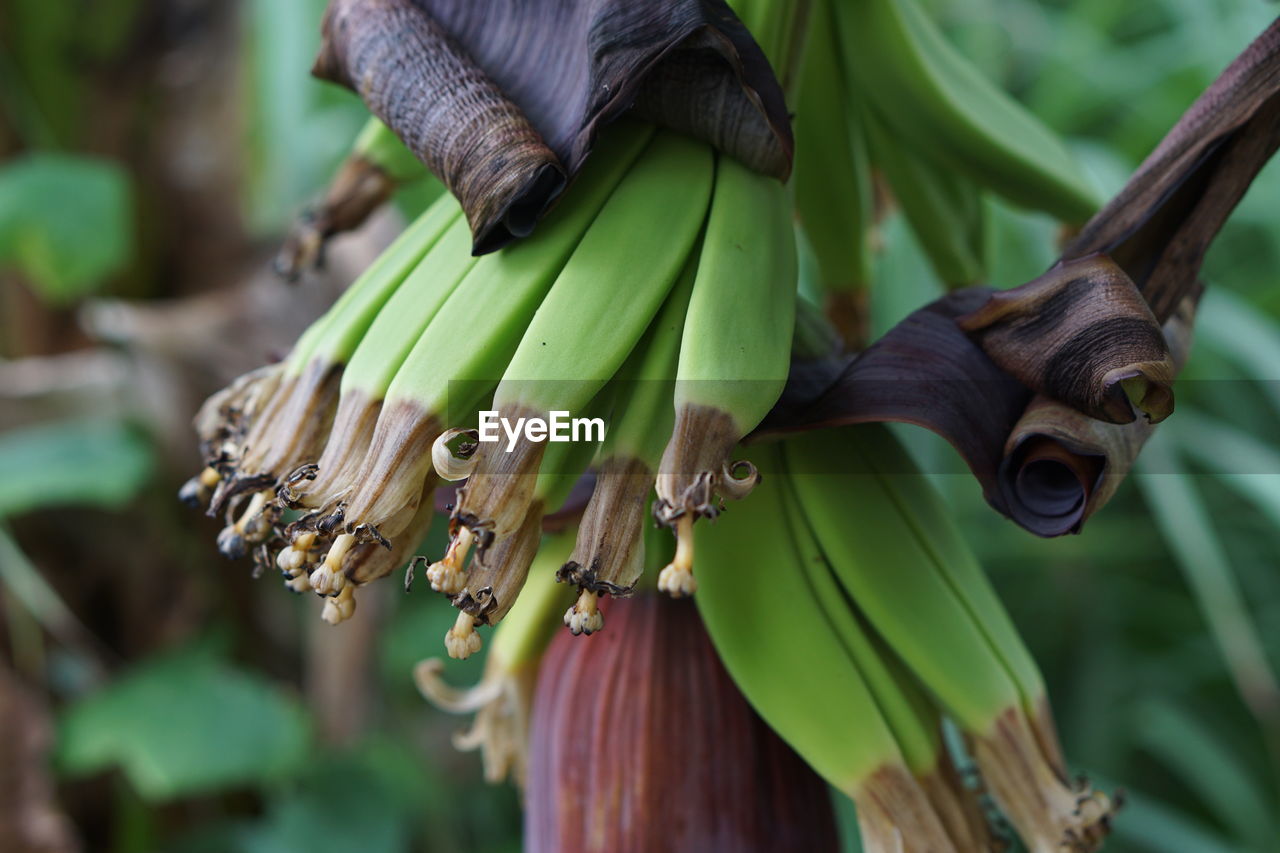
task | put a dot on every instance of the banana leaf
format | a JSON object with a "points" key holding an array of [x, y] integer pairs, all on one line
{"points": [[503, 101]]}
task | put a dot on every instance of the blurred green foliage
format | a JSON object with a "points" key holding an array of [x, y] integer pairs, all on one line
{"points": [[233, 728], [82, 462], [64, 222]]}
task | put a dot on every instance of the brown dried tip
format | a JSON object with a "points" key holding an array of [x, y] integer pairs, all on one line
{"points": [[608, 554], [694, 477], [1081, 333], [498, 495], [359, 188], [497, 574], [503, 100], [895, 815], [1025, 777], [640, 741], [290, 430]]}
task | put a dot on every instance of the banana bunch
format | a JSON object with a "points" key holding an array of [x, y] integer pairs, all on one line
{"points": [[327, 465], [882, 595], [885, 102]]}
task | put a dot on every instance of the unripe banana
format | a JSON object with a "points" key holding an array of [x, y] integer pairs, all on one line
{"points": [[502, 700], [914, 718], [773, 635], [944, 208], [735, 353], [375, 362], [608, 557], [637, 246], [936, 101], [832, 178], [293, 425], [884, 562]]}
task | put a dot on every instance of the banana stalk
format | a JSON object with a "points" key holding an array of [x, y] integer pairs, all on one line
{"points": [[734, 356]]}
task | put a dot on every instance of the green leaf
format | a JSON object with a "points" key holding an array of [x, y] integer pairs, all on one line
{"points": [[1196, 755], [65, 222], [1180, 512], [72, 462], [184, 723]]}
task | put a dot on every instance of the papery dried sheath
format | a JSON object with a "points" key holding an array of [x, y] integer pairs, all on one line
{"points": [[1160, 225], [497, 96], [420, 82]]}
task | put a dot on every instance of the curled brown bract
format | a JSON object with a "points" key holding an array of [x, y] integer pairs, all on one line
{"points": [[424, 86], [1081, 333], [1061, 465], [503, 100]]}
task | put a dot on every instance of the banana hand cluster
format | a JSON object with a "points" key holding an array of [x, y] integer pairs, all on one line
{"points": [[659, 297], [842, 598]]}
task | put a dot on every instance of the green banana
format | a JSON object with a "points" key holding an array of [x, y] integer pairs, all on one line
{"points": [[637, 246], [832, 175], [899, 582], [466, 344], [608, 557], [379, 146], [502, 700], [377, 164], [735, 353], [772, 633], [938, 102], [944, 208], [913, 717]]}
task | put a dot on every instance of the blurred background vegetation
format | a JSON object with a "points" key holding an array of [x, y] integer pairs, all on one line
{"points": [[154, 697]]}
